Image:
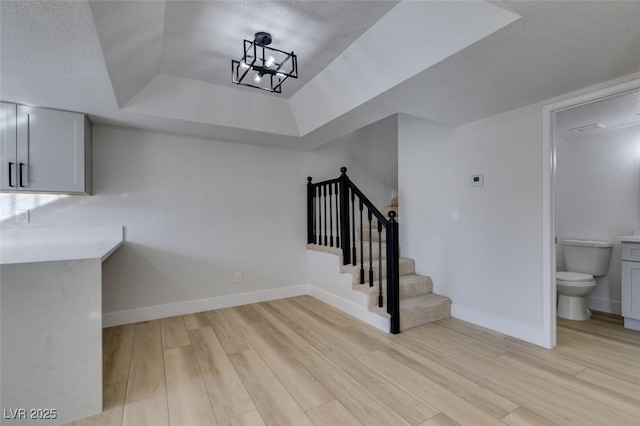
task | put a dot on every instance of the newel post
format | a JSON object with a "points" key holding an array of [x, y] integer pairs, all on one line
{"points": [[345, 231], [393, 273], [311, 228]]}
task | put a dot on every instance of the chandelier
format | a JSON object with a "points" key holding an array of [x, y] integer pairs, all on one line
{"points": [[263, 67]]}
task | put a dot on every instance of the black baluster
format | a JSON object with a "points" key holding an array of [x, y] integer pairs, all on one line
{"points": [[354, 258], [344, 217], [311, 192], [331, 214], [337, 216], [325, 214], [393, 276], [316, 215], [380, 301], [370, 250], [361, 247], [319, 215]]}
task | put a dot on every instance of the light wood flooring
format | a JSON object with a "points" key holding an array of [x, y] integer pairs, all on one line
{"points": [[301, 362]]}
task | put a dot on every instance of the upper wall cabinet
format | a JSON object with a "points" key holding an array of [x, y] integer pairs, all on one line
{"points": [[44, 150]]}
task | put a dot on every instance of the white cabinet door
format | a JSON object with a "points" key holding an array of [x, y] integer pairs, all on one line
{"points": [[631, 290], [50, 150], [8, 155]]}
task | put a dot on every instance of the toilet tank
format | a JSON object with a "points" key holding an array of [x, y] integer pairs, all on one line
{"points": [[587, 257]]}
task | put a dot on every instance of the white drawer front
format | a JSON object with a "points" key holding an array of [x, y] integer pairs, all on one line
{"points": [[631, 252]]}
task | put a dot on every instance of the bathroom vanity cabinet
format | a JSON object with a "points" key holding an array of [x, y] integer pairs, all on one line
{"points": [[631, 284]]}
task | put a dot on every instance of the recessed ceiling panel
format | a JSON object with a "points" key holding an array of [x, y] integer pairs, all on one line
{"points": [[201, 38]]}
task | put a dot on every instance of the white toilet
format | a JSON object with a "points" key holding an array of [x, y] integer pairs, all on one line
{"points": [[583, 261]]}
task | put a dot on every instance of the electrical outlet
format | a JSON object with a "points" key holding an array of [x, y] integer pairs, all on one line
{"points": [[238, 277], [22, 216], [455, 215]]}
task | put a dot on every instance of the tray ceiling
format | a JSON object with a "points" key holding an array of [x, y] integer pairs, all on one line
{"points": [[165, 65]]}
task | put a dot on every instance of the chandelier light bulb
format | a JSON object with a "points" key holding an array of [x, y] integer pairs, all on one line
{"points": [[270, 61], [244, 65], [258, 77]]}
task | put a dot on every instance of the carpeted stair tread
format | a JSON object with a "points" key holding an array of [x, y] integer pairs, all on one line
{"points": [[418, 304], [406, 267], [420, 310], [377, 247], [325, 249], [374, 225], [374, 235], [410, 286], [423, 309]]}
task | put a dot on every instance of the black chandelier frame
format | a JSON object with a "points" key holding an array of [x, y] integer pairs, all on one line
{"points": [[256, 54]]}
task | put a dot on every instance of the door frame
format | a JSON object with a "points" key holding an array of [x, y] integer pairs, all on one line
{"points": [[595, 94]]}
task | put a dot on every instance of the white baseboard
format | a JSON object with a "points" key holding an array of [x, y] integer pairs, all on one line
{"points": [[148, 313], [604, 305], [525, 332], [351, 308], [632, 324], [192, 306]]}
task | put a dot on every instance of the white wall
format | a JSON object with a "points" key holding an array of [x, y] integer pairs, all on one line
{"points": [[598, 198], [488, 262], [195, 212], [371, 157]]}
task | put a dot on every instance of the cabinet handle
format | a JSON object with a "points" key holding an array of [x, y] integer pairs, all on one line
{"points": [[21, 185], [11, 174]]}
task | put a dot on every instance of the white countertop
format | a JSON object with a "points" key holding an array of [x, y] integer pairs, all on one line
{"points": [[32, 244], [630, 239]]}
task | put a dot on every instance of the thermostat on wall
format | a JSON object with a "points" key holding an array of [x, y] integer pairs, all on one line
{"points": [[477, 180]]}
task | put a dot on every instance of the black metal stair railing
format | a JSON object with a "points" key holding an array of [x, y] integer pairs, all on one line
{"points": [[333, 208]]}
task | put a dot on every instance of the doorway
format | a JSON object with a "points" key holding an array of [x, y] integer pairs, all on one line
{"points": [[559, 121]]}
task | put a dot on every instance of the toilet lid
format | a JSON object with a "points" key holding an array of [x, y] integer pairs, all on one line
{"points": [[573, 276]]}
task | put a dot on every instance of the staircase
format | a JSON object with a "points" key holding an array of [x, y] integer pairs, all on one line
{"points": [[418, 304]]}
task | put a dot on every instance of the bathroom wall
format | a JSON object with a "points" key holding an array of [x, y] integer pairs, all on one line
{"points": [[598, 198]]}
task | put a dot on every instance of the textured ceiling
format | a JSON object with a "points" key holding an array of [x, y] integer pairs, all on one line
{"points": [[166, 65]]}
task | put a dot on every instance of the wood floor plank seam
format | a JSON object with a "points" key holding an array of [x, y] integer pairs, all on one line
{"points": [[201, 375], [126, 392], [237, 395]]}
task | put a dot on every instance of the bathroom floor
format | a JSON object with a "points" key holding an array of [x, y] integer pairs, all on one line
{"points": [[602, 324]]}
